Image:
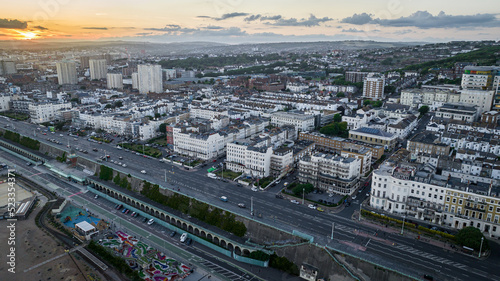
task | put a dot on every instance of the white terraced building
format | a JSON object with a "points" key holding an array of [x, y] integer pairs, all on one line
{"points": [[202, 146], [302, 122]]}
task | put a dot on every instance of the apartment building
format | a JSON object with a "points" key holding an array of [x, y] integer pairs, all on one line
{"points": [[337, 144], [333, 174], [149, 78], [250, 158], [373, 87], [5, 102], [472, 140], [416, 191], [98, 69], [480, 98], [458, 111], [282, 161], [205, 113], [47, 111], [374, 136], [66, 72], [427, 142], [203, 146], [114, 81], [302, 122]]}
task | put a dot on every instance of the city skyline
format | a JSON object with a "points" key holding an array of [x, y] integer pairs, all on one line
{"points": [[237, 21]]}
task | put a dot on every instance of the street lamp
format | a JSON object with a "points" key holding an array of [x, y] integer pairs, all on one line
{"points": [[333, 227], [481, 248], [360, 205], [403, 225], [303, 195]]}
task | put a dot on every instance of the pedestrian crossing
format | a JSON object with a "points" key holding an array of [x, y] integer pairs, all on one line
{"points": [[431, 256]]}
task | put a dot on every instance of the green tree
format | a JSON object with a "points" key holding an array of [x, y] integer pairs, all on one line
{"points": [[117, 179], [471, 237], [423, 110], [340, 95], [119, 103], [106, 173], [108, 106], [337, 118], [157, 115], [163, 128], [307, 188]]}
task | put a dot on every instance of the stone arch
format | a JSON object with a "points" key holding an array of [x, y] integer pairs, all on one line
{"points": [[230, 246], [184, 226], [216, 240], [197, 232], [157, 213], [223, 243], [246, 252], [179, 224], [162, 216], [190, 229], [237, 250], [210, 237], [147, 209]]}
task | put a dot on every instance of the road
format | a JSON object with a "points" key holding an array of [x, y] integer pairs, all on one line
{"points": [[398, 252]]}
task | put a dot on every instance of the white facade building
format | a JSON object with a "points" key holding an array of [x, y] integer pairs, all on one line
{"points": [[373, 87], [150, 78], [202, 146], [98, 69], [45, 112], [302, 122], [5, 102], [114, 81], [66, 72], [482, 99]]}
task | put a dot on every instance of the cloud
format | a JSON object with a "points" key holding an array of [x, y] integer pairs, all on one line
{"points": [[204, 17], [277, 17], [172, 28], [252, 18], [6, 23], [213, 27], [96, 28], [40, 27], [404, 31], [356, 19], [352, 30], [231, 15], [425, 20], [311, 21], [144, 33]]}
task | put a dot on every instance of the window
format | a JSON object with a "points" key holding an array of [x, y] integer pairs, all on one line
{"points": [[460, 202], [454, 200]]}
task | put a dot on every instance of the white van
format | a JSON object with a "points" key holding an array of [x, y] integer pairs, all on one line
{"points": [[184, 237], [212, 176]]}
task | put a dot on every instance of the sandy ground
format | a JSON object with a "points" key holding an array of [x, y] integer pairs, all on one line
{"points": [[20, 192], [34, 246]]}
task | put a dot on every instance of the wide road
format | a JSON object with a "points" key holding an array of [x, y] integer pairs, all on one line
{"points": [[401, 253]]}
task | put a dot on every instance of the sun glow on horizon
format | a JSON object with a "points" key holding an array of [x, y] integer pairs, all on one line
{"points": [[27, 35]]}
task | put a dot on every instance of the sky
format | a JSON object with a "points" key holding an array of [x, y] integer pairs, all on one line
{"points": [[256, 21]]}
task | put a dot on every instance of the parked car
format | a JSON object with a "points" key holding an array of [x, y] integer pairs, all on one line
{"points": [[295, 201], [143, 171], [189, 241], [127, 211], [311, 206], [173, 233], [119, 207], [223, 198], [241, 205], [320, 209], [184, 236], [144, 219], [96, 196], [133, 214], [124, 210], [151, 221]]}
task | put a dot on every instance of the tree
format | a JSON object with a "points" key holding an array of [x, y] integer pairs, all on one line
{"points": [[163, 128], [119, 103], [423, 110], [108, 106], [117, 179], [337, 118], [307, 188], [340, 95], [471, 237]]}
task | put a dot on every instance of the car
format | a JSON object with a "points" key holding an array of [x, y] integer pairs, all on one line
{"points": [[368, 194], [295, 201], [119, 207], [279, 196], [241, 205], [255, 189], [285, 184], [151, 221], [61, 135], [277, 182], [121, 158], [143, 171], [215, 160], [223, 198], [330, 195], [428, 277], [320, 209], [29, 163], [124, 165], [354, 197], [94, 149], [44, 134], [96, 196], [133, 214], [144, 219], [434, 228], [189, 241], [127, 211], [124, 210], [184, 236], [116, 206], [173, 233], [311, 206]]}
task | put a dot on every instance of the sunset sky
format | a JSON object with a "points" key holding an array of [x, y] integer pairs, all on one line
{"points": [[238, 21]]}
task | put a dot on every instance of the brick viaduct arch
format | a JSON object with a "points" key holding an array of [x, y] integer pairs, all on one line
{"points": [[166, 217]]}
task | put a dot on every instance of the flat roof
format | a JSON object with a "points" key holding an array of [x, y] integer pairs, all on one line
{"points": [[85, 226]]}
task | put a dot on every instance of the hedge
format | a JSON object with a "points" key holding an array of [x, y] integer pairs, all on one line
{"points": [[117, 262]]}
